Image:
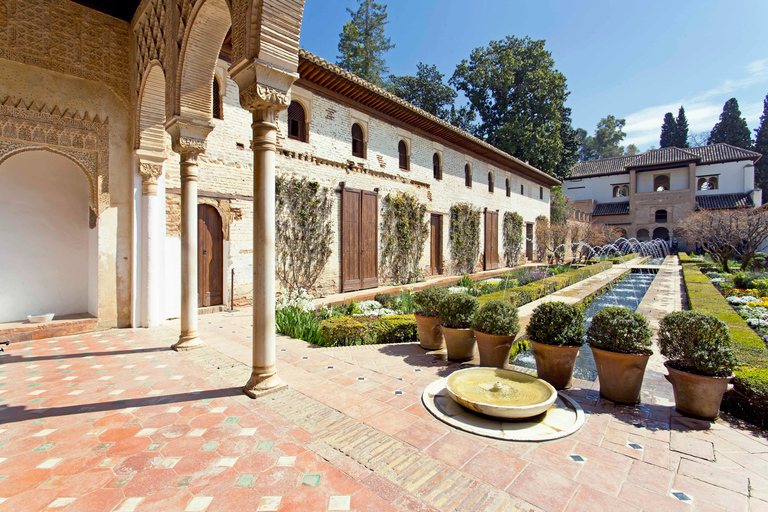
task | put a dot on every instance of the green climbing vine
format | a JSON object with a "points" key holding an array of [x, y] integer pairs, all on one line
{"points": [[513, 237], [303, 231], [464, 236], [403, 235]]}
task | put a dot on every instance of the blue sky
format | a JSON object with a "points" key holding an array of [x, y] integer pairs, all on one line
{"points": [[632, 59]]}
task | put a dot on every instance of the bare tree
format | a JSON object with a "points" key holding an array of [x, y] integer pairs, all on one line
{"points": [[725, 234], [697, 139]]}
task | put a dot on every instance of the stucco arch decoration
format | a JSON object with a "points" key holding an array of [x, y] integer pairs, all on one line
{"points": [[80, 137]]}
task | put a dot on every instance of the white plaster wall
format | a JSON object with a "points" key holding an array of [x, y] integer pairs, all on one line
{"points": [[44, 237], [599, 188], [731, 177], [678, 179]]}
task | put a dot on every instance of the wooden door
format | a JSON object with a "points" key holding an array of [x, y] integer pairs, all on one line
{"points": [[210, 257], [529, 242], [359, 240], [436, 244], [491, 240]]}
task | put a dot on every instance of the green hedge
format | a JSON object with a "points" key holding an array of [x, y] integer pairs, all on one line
{"points": [[749, 398], [684, 258], [625, 258], [528, 293], [361, 330]]}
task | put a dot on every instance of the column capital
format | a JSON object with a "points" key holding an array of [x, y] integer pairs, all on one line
{"points": [[188, 135], [263, 86], [149, 173]]}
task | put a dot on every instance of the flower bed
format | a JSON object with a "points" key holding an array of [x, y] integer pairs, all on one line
{"points": [[749, 398], [532, 291]]}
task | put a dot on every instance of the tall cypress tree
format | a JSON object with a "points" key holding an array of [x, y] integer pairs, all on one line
{"points": [[362, 42], [732, 128], [668, 129], [761, 146], [681, 130]]}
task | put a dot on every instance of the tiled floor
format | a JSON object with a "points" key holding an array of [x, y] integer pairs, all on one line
{"points": [[116, 421]]}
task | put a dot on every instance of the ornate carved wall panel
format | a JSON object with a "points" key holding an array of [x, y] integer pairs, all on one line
{"points": [[78, 136], [66, 37]]}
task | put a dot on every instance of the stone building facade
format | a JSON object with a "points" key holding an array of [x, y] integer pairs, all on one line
{"points": [[645, 195]]}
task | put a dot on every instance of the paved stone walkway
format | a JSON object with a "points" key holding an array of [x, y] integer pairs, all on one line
{"points": [[116, 421]]}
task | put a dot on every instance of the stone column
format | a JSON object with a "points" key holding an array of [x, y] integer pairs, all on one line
{"points": [[189, 337], [153, 239]]}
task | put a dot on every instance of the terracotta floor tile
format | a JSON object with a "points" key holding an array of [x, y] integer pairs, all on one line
{"points": [[650, 477], [454, 449], [649, 500], [391, 421], [591, 500], [543, 488], [562, 464], [421, 434], [601, 477], [495, 467]]}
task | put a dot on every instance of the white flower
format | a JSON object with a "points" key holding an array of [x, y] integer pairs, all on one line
{"points": [[298, 299], [458, 289]]}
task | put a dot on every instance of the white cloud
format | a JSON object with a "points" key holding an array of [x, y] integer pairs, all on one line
{"points": [[702, 111]]}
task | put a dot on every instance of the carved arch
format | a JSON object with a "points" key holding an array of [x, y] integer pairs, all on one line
{"points": [[150, 109]]}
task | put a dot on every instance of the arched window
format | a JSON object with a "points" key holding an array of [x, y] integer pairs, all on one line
{"points": [[218, 111], [402, 150], [661, 233], [620, 191], [437, 170], [643, 234], [297, 122], [661, 182], [522, 190], [358, 143], [490, 182], [467, 176], [661, 216], [509, 188], [707, 183], [541, 193]]}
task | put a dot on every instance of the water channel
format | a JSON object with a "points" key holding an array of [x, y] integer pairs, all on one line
{"points": [[627, 292]]}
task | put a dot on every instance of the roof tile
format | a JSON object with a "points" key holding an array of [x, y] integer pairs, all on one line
{"points": [[621, 208], [723, 201]]}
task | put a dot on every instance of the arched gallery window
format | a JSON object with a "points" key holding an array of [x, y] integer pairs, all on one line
{"points": [[707, 183], [643, 234], [661, 182], [437, 170], [467, 176], [522, 190], [402, 151], [661, 216], [490, 182], [620, 191], [218, 111], [297, 122], [509, 188], [358, 142], [662, 233]]}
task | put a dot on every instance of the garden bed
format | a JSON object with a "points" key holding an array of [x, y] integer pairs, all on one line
{"points": [[749, 398]]}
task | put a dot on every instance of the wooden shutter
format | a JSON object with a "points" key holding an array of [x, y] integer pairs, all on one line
{"points": [[210, 257], [437, 173], [491, 240], [359, 240], [297, 122], [358, 145], [369, 237], [436, 244], [402, 151]]}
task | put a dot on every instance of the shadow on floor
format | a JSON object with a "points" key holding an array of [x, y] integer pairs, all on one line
{"points": [[8, 357]]}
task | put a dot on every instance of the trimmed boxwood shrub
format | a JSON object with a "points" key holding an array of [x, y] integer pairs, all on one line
{"points": [[456, 310], [497, 317], [557, 323], [428, 299], [749, 398], [617, 329], [696, 342], [521, 295], [684, 258], [622, 259], [361, 330]]}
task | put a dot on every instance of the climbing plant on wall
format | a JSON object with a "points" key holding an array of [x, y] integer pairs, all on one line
{"points": [[303, 231], [464, 237], [543, 237], [512, 232], [403, 235]]}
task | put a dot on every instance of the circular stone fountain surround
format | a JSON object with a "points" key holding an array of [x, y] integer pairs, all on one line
{"points": [[563, 418]]}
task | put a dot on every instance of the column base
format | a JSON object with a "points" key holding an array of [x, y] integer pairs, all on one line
{"points": [[187, 342], [261, 384]]}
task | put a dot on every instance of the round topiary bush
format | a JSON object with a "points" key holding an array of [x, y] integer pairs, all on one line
{"points": [[618, 329], [456, 310], [497, 317], [428, 299], [697, 343], [557, 323]]}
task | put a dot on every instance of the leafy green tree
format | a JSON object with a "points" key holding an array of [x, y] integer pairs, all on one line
{"points": [[426, 90], [606, 142], [570, 139], [518, 95], [631, 150], [463, 118], [732, 128], [668, 131], [680, 139], [761, 146], [362, 42]]}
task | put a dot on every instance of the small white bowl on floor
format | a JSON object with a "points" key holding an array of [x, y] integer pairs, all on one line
{"points": [[37, 319]]}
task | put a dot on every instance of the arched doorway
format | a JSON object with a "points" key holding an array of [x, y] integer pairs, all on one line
{"points": [[210, 257], [661, 233], [643, 234], [45, 261]]}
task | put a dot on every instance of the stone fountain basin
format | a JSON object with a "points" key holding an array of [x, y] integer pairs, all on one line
{"points": [[500, 393]]}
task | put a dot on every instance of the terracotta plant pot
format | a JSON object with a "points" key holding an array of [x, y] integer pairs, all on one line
{"points": [[494, 350], [621, 375], [554, 363], [430, 335], [698, 395], [459, 343]]}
